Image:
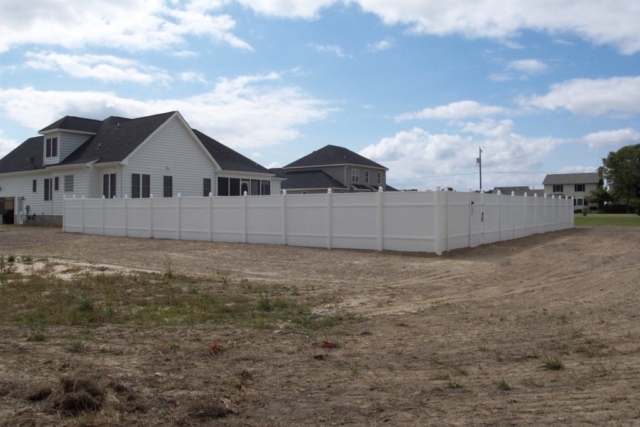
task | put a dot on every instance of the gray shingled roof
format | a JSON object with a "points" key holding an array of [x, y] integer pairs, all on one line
{"points": [[571, 178], [79, 124], [300, 180], [333, 155], [115, 139], [227, 158], [26, 156]]}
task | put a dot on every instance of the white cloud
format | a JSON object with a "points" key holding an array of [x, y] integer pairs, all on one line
{"points": [[133, 25], [528, 66], [185, 54], [336, 50], [454, 110], [102, 67], [379, 46], [419, 159], [577, 169], [274, 165], [613, 22], [6, 144], [190, 76], [591, 96], [247, 111], [307, 9], [616, 138]]}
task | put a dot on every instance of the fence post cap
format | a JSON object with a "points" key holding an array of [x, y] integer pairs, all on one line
{"points": [[103, 196], [380, 189], [499, 192], [545, 195], [126, 196], [284, 192], [83, 196], [329, 191], [513, 193], [74, 196], [210, 194], [245, 193], [438, 188], [525, 194], [535, 195]]}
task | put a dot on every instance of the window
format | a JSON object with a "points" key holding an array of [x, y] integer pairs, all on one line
{"points": [[578, 202], [255, 187], [557, 188], [167, 186], [379, 177], [56, 183], [355, 175], [48, 189], [234, 186], [206, 187], [223, 186], [68, 183], [366, 177], [109, 185], [579, 188], [265, 188], [34, 184], [140, 186], [51, 147]]}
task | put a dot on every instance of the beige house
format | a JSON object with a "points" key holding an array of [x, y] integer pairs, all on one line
{"points": [[576, 185]]}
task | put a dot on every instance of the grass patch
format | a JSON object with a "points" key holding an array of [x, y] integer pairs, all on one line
{"points": [[454, 385], [597, 219], [552, 364], [503, 385], [150, 299]]}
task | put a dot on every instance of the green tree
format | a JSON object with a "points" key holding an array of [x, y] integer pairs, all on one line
{"points": [[622, 171], [600, 196]]}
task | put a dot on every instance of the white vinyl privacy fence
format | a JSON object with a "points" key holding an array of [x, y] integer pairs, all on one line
{"points": [[431, 221]]}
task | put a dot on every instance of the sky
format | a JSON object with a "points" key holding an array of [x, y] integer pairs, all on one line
{"points": [[546, 86]]}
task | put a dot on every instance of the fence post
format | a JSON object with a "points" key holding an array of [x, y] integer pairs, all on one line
{"points": [[513, 215], [525, 200], [329, 225], [246, 217], [82, 213], [535, 213], [151, 215], [210, 216], [482, 216], [380, 219], [470, 213], [179, 225], [436, 218], [544, 215], [126, 215], [498, 194], [446, 220], [102, 226], [284, 217]]}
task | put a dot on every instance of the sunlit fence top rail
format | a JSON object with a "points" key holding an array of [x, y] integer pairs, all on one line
{"points": [[430, 221]]}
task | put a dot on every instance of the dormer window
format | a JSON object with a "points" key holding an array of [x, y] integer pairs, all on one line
{"points": [[51, 147]]}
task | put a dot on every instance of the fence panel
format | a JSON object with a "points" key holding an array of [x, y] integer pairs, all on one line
{"points": [[431, 221]]}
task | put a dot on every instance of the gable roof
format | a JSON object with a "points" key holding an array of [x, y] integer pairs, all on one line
{"points": [[227, 158], [299, 180], [571, 178], [78, 124], [114, 140], [25, 157], [333, 155]]}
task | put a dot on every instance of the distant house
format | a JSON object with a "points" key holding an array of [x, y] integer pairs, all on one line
{"points": [[576, 185], [518, 191], [159, 156], [337, 168]]}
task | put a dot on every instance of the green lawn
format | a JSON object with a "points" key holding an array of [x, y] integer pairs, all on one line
{"points": [[597, 219]]}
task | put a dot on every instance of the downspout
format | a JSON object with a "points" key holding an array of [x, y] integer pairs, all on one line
{"points": [[121, 181], [345, 177]]}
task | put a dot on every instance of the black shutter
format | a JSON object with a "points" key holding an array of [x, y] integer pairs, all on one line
{"points": [[146, 186], [206, 187], [112, 193], [135, 185], [168, 186]]}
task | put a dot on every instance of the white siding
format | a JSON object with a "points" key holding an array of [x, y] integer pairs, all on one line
{"points": [[69, 142], [171, 152], [22, 186], [96, 173]]}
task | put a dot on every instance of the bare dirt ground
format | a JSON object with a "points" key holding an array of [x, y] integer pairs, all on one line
{"points": [[424, 340]]}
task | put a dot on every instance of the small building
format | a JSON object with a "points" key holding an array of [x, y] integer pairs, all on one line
{"points": [[335, 168], [576, 185], [153, 156]]}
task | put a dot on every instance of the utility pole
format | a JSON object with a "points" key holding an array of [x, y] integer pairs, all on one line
{"points": [[479, 163]]}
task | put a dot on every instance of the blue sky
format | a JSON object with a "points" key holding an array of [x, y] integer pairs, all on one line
{"points": [[416, 85]]}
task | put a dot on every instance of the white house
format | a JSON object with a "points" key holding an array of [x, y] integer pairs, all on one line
{"points": [[576, 185], [153, 156]]}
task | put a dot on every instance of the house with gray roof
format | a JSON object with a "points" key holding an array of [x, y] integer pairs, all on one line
{"points": [[576, 185], [153, 156], [336, 168]]}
